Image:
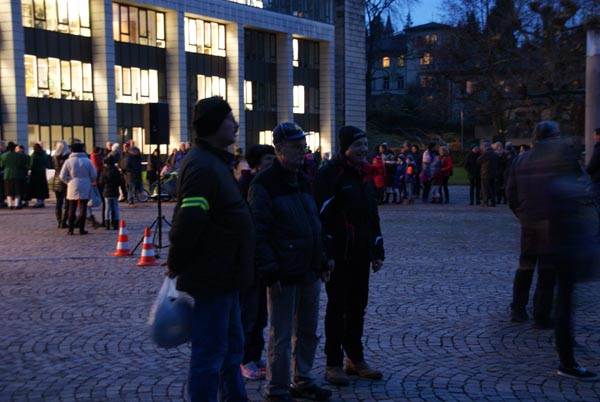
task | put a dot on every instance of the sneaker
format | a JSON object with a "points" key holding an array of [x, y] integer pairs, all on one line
{"points": [[313, 392], [251, 372], [362, 370], [132, 205], [518, 315], [578, 373], [336, 376]]}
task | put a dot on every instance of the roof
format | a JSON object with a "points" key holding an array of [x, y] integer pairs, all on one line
{"points": [[431, 26]]}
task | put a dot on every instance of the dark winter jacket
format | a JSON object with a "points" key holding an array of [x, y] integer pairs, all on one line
{"points": [[593, 167], [347, 201], [533, 178], [289, 246], [212, 237], [110, 181], [488, 165], [471, 166], [57, 163]]}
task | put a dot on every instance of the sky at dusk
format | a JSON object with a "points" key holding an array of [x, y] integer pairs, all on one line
{"points": [[426, 11]]}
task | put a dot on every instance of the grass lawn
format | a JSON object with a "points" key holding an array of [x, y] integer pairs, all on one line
{"points": [[459, 178]]}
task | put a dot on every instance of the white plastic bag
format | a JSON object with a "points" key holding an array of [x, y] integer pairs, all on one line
{"points": [[171, 316]]}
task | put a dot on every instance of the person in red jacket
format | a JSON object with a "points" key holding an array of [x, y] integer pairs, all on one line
{"points": [[446, 172], [379, 177]]}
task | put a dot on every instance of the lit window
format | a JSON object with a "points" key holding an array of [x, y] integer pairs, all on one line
{"points": [[401, 61], [137, 25], [134, 85], [470, 87], [385, 62], [426, 59], [295, 52], [211, 86], [67, 16], [204, 37], [298, 99], [265, 137], [248, 95], [59, 79]]}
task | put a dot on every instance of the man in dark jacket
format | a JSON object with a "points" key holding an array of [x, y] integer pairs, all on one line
{"points": [[131, 164], [289, 257], [212, 253], [473, 173], [593, 167], [347, 198], [488, 165], [540, 184]]}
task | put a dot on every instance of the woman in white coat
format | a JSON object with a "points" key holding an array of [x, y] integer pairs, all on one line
{"points": [[79, 174]]}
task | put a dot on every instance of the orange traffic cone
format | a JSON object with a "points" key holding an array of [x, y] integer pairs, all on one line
{"points": [[147, 258], [123, 242]]}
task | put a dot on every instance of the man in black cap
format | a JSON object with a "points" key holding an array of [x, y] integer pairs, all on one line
{"points": [[289, 258], [212, 253], [347, 198]]}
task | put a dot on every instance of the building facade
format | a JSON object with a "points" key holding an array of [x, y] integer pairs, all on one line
{"points": [[91, 69]]}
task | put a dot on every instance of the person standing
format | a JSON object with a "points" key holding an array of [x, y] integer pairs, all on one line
{"points": [[346, 197], [253, 301], [488, 164], [131, 165], [110, 181], [289, 258], [593, 168], [2, 197], [211, 253], [79, 174], [473, 173], [540, 188], [15, 165], [154, 166], [61, 211], [38, 184]]}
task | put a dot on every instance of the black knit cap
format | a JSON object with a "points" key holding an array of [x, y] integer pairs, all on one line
{"points": [[209, 113], [347, 135]]}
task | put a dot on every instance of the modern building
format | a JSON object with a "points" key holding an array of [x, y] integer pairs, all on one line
{"points": [[102, 70]]}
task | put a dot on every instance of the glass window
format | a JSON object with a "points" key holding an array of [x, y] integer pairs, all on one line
{"points": [[126, 81], [400, 61], [42, 67], [51, 15], [153, 74], [84, 13], [151, 28], [426, 59], [135, 85], [248, 95], [54, 77], [118, 84], [143, 27], [27, 13], [76, 79], [133, 25], [199, 36], [191, 32], [74, 16], [386, 82], [40, 11], [88, 83], [160, 30], [298, 99], [385, 62], [116, 20], [295, 53], [222, 37], [145, 86], [31, 76]]}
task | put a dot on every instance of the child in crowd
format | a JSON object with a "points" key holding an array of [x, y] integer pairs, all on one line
{"points": [[111, 179], [390, 174], [410, 178], [399, 175]]}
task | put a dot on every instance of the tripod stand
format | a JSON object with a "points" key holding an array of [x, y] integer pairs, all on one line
{"points": [[157, 224]]}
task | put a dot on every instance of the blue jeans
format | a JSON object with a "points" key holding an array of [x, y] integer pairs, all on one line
{"points": [[112, 209], [217, 350]]}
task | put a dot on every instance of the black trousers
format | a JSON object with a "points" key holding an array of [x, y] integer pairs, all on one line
{"points": [[564, 310], [534, 241], [347, 297], [474, 190], [253, 307], [77, 220]]}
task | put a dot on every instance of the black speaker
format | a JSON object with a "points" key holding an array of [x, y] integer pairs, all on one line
{"points": [[156, 123]]}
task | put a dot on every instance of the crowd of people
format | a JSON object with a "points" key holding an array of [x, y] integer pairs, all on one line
{"points": [[257, 249]]}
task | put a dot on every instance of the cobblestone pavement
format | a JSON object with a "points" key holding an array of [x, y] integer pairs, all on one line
{"points": [[74, 318]]}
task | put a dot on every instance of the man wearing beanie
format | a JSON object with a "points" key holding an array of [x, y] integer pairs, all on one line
{"points": [[347, 199], [289, 259], [212, 253]]}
